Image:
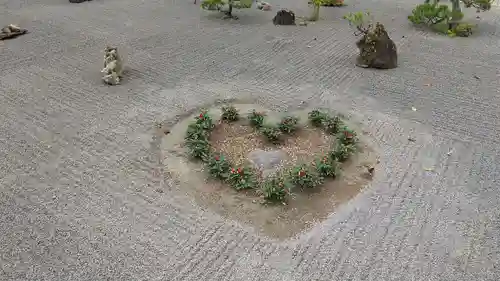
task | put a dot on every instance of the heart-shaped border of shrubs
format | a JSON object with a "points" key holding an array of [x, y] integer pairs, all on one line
{"points": [[277, 188]]}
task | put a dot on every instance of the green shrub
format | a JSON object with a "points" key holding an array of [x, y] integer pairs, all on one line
{"points": [[198, 148], [256, 118], [347, 136], [218, 167], [276, 189], [430, 14], [327, 167], [342, 152], [196, 131], [316, 118], [271, 133], [462, 30], [305, 177], [288, 124], [242, 178], [332, 124], [205, 121], [229, 113]]}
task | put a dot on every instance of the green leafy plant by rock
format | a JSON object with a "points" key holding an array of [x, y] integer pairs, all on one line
{"points": [[278, 187], [226, 6], [445, 20]]}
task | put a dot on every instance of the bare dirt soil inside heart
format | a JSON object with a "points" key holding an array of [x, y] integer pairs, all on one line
{"points": [[236, 141]]}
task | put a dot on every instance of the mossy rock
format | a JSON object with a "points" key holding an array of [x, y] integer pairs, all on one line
{"points": [[377, 50]]}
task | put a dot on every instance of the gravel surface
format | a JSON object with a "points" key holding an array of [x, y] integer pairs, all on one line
{"points": [[84, 196]]}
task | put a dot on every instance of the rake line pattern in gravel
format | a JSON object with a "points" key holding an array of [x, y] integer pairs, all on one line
{"points": [[81, 164]]}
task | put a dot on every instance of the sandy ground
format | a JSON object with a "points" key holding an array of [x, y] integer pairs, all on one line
{"points": [[83, 195]]}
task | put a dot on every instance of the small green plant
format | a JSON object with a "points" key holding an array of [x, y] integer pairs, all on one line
{"points": [[430, 14], [347, 136], [305, 177], [226, 6], [230, 113], [480, 5], [332, 124], [256, 118], [316, 118], [271, 133], [242, 178], [218, 167], [205, 121], [276, 189], [462, 30], [334, 3], [198, 148], [195, 131], [327, 167], [316, 5], [288, 124], [342, 152], [362, 21], [443, 20]]}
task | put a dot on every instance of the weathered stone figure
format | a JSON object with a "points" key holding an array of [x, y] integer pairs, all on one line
{"points": [[284, 17], [11, 31], [377, 50], [113, 66]]}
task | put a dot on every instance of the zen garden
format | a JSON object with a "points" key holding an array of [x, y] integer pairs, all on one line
{"points": [[283, 172]]}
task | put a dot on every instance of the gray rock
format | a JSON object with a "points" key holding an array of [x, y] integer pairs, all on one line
{"points": [[284, 17], [266, 161]]}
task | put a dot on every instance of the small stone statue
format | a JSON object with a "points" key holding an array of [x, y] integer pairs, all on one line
{"points": [[113, 66], [12, 31], [284, 17]]}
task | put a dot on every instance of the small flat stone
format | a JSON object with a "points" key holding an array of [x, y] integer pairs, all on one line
{"points": [[266, 160]]}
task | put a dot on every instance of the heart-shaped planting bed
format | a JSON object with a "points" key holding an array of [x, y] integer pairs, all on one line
{"points": [[278, 173]]}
